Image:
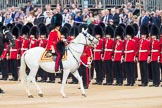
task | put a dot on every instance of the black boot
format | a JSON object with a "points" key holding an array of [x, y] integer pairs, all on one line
{"points": [[1, 91]]}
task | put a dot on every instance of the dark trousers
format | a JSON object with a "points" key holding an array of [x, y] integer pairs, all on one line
{"points": [[4, 68], [83, 71], [149, 71], [43, 74], [155, 72], [108, 69], [118, 71], [98, 68], [51, 76], [129, 68], [144, 72], [13, 68]]}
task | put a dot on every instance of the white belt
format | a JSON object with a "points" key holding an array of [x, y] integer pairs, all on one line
{"points": [[130, 51], [117, 51], [108, 50], [96, 50], [13, 50], [24, 48], [5, 49], [143, 50], [154, 50]]}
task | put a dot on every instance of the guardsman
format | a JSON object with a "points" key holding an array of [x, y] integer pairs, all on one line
{"points": [[54, 37], [25, 41], [42, 42], [118, 54], [34, 33], [129, 55], [161, 50], [98, 54], [13, 54], [155, 53], [143, 53], [85, 61], [4, 62], [136, 39], [108, 52]]}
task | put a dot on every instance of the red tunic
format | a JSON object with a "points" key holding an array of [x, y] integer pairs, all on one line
{"points": [[155, 50], [130, 50], [144, 49], [97, 50], [161, 50], [108, 51], [15, 50], [33, 43], [53, 38], [24, 46], [4, 53], [42, 42], [87, 53], [118, 51]]}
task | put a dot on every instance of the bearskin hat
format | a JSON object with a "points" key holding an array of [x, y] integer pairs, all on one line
{"points": [[135, 28], [91, 29], [19, 25], [81, 26], [25, 30], [144, 30], [16, 31], [9, 26], [34, 31], [98, 30], [30, 25], [74, 31], [67, 25], [154, 31], [43, 29], [64, 31], [110, 31], [56, 20], [123, 25], [119, 31], [130, 30], [149, 27], [102, 25], [161, 29]]}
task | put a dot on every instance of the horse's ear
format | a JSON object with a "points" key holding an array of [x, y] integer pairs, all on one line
{"points": [[82, 29]]}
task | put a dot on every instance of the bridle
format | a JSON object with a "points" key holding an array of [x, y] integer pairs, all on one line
{"points": [[70, 49]]}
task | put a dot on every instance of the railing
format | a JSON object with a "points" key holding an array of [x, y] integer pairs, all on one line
{"points": [[152, 5], [148, 4]]}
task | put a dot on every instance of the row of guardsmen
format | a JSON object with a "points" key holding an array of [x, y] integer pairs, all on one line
{"points": [[120, 50], [114, 56]]}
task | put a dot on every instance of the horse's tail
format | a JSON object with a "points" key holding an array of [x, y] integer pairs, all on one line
{"points": [[22, 71]]}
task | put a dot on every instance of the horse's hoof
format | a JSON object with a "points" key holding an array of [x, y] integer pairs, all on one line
{"points": [[84, 95], [41, 95], [30, 96]]}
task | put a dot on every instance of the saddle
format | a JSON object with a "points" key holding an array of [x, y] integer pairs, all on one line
{"points": [[47, 56]]}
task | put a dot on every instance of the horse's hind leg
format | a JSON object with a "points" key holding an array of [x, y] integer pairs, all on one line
{"points": [[28, 80], [65, 75], [32, 77], [76, 74]]}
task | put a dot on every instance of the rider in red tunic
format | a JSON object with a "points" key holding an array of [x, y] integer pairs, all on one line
{"points": [[54, 37]]}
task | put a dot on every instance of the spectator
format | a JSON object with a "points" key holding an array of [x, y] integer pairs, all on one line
{"points": [[90, 18], [144, 19], [8, 19], [71, 20], [39, 17], [28, 7], [30, 17], [19, 16], [13, 12], [1, 17], [48, 17], [47, 9], [65, 15], [115, 17], [77, 17]]}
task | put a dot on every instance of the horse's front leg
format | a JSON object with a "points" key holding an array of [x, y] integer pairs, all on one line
{"points": [[65, 76], [76, 74]]}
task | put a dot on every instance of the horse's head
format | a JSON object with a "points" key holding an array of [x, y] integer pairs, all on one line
{"points": [[89, 38], [9, 37]]}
